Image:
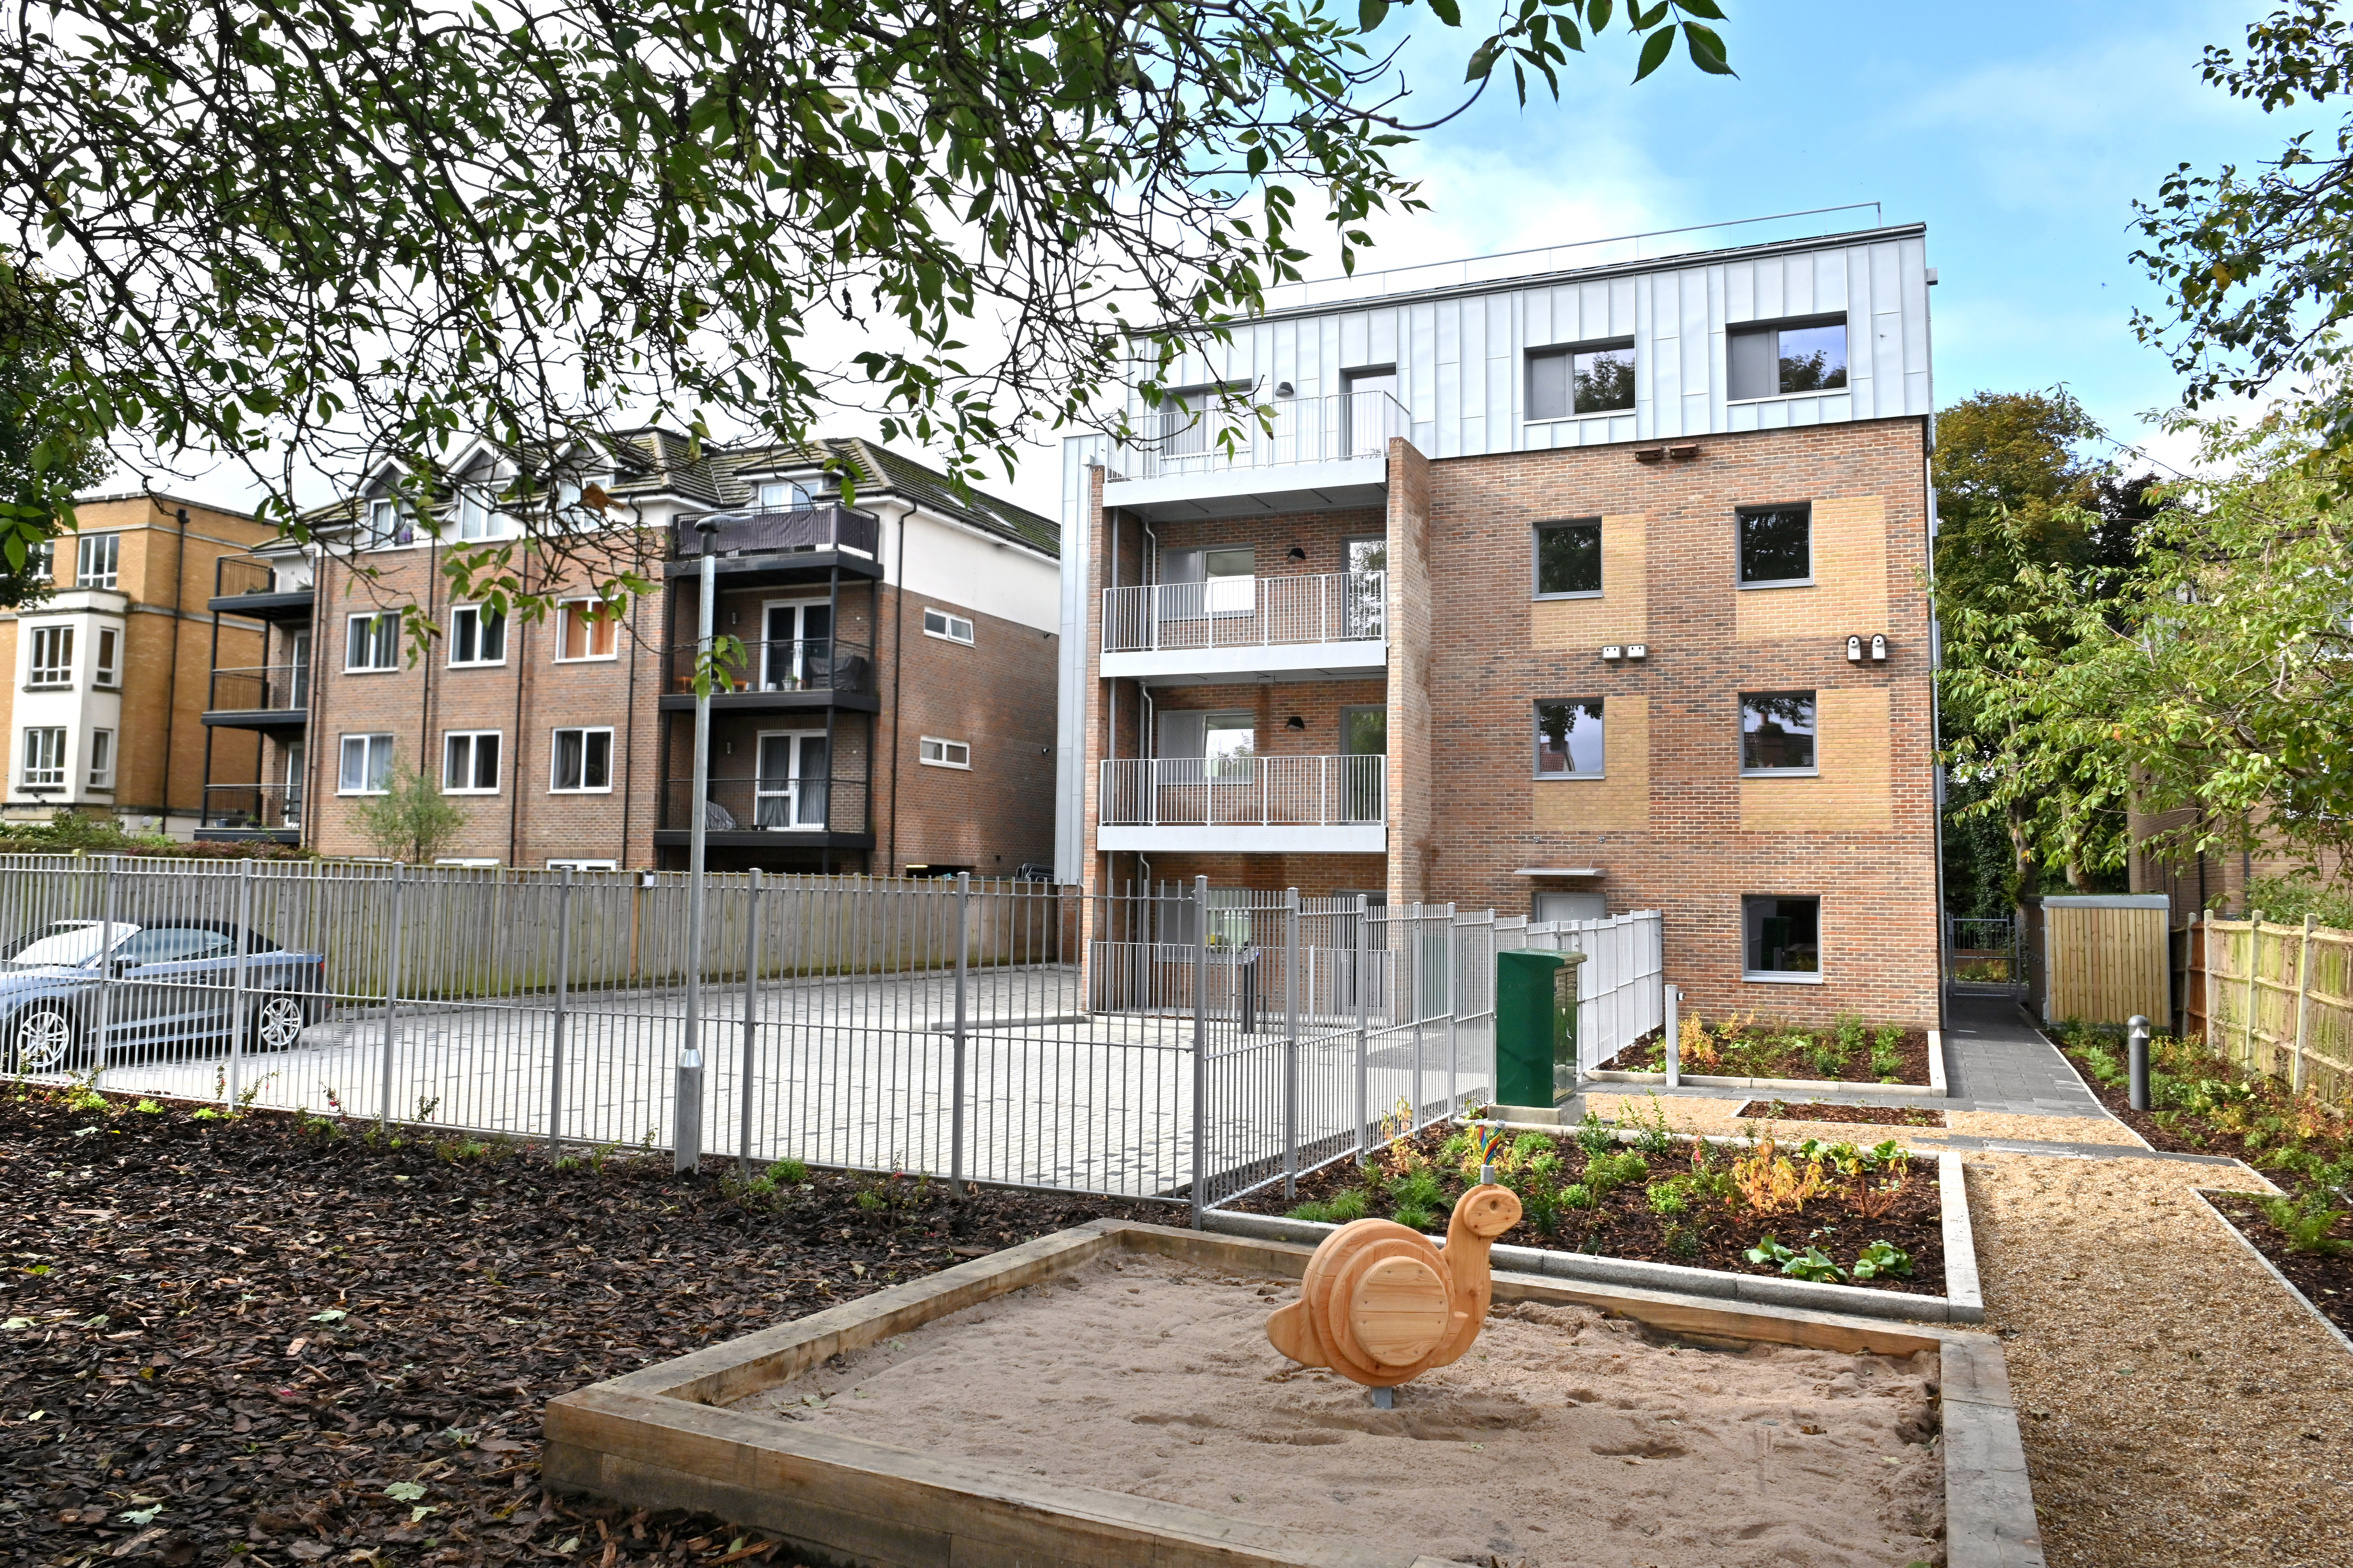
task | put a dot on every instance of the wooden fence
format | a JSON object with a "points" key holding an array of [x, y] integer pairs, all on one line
{"points": [[2276, 999], [2101, 958]]}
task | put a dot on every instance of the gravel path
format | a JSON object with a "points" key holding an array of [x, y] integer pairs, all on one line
{"points": [[2044, 1129], [2179, 1410]]}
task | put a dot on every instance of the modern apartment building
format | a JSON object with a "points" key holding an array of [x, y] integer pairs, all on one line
{"points": [[892, 709], [105, 714], [1568, 583]]}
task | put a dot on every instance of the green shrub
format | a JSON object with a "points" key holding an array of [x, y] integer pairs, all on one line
{"points": [[1849, 1031], [2307, 1222], [1668, 1198], [1350, 1205], [1421, 1190], [792, 1171], [1414, 1218], [1541, 1208], [1578, 1195], [1594, 1135], [1311, 1210]]}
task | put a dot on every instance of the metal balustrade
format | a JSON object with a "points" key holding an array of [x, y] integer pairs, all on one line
{"points": [[1247, 612], [1244, 792], [814, 528], [260, 689], [271, 807], [1177, 440], [784, 663]]}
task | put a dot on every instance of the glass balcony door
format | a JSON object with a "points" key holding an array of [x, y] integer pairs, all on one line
{"points": [[789, 792], [796, 646]]}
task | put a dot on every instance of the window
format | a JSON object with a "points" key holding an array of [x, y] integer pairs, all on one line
{"points": [[45, 758], [938, 754], [101, 759], [48, 568], [1566, 382], [1782, 939], [783, 495], [108, 669], [571, 865], [373, 641], [1776, 731], [470, 762], [367, 764], [1568, 559], [1787, 357], [584, 760], [52, 660], [586, 629], [1229, 744], [97, 560], [478, 635], [1208, 582], [476, 517], [1372, 412], [1184, 423], [940, 624], [388, 525], [1568, 740], [1777, 544]]}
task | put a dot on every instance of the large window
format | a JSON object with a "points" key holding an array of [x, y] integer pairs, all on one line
{"points": [[98, 560], [1229, 745], [101, 759], [1569, 739], [583, 761], [1782, 938], [388, 525], [366, 764], [477, 518], [936, 752], [1777, 544], [587, 629], [371, 641], [1786, 357], [52, 656], [1776, 731], [107, 669], [478, 635], [470, 762], [1596, 380], [783, 495], [940, 624], [45, 758], [1568, 559]]}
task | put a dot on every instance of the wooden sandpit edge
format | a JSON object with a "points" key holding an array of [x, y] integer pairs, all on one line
{"points": [[662, 1436]]}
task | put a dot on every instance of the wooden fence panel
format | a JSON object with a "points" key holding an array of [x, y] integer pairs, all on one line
{"points": [[2107, 958], [2279, 1000]]}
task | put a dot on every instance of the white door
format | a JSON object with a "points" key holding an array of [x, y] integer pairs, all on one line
{"points": [[790, 792], [795, 645]]}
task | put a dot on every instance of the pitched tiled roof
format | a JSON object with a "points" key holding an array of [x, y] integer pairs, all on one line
{"points": [[878, 470]]}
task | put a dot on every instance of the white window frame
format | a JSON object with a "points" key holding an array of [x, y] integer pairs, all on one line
{"points": [[949, 621], [564, 620], [479, 517], [57, 636], [98, 561], [388, 525], [101, 760], [571, 863], [106, 660], [468, 862], [555, 759], [472, 740], [371, 742], [790, 495], [374, 619], [47, 742], [948, 752], [479, 615]]}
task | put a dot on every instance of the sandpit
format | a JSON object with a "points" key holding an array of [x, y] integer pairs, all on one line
{"points": [[1563, 1438]]}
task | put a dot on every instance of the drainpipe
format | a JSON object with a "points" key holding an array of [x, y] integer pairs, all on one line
{"points": [[172, 680], [510, 766], [898, 667]]}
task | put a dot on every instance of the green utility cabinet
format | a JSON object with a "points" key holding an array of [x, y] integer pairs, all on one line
{"points": [[1536, 1027]]}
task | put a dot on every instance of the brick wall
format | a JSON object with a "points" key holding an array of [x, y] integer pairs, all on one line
{"points": [[1414, 826]]}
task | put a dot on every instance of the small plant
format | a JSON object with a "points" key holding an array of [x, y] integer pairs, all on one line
{"points": [[149, 1106], [1770, 1184], [1813, 1265], [1594, 1135], [1886, 1059], [1312, 1211], [1419, 1189], [1695, 1049], [869, 1200], [1882, 1257], [2306, 1222], [1541, 1207], [1412, 1217], [1826, 1055], [1652, 1135], [1578, 1195], [1849, 1029], [792, 1171], [1671, 1197], [205, 1113], [1350, 1205], [1682, 1241]]}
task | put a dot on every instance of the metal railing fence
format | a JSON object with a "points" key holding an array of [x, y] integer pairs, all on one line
{"points": [[783, 664], [258, 688], [1619, 987], [261, 805], [1305, 430], [1982, 952], [1246, 612], [1246, 791]]}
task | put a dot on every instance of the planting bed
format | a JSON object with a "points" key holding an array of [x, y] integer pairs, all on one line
{"points": [[1417, 1180], [1875, 1054], [2325, 1277], [1825, 1110]]}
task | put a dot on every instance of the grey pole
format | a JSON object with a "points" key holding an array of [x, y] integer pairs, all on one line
{"points": [[2136, 1054], [1364, 1010], [391, 997], [686, 1109], [1200, 1037], [751, 1026], [1290, 1044], [956, 1091], [1671, 998], [1453, 1012], [104, 1023], [237, 1019], [563, 1002]]}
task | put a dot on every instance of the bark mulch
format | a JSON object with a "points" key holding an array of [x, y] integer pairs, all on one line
{"points": [[1823, 1110], [1624, 1225], [1774, 1056], [2325, 1277], [282, 1343]]}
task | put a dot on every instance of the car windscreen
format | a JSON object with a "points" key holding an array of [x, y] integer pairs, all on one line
{"points": [[66, 943], [175, 944]]}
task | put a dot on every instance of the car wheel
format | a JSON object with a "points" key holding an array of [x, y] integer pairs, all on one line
{"points": [[278, 1023], [43, 1039]]}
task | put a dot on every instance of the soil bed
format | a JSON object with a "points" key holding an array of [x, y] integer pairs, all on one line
{"points": [[1560, 1438], [258, 1335], [2208, 1105], [2325, 1278], [1823, 1110], [1713, 1231], [1802, 1054]]}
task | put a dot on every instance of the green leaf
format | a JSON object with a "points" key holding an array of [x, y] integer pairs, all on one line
{"points": [[1598, 14], [1655, 52], [1446, 12], [1706, 49], [1371, 14], [1708, 8], [1483, 60]]}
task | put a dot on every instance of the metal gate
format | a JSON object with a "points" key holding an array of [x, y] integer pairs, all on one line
{"points": [[1982, 957]]}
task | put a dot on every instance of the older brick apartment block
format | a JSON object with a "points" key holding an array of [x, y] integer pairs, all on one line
{"points": [[104, 712], [891, 710], [1597, 586]]}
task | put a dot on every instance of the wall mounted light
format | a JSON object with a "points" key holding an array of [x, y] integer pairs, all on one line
{"points": [[1854, 650], [1294, 723], [1283, 389], [1297, 553]]}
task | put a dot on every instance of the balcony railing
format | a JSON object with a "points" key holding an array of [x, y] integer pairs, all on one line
{"points": [[234, 576], [253, 805], [1244, 792], [801, 664], [260, 689], [818, 528], [1246, 612], [1307, 430], [742, 802]]}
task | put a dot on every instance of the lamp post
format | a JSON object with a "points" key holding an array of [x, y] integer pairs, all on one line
{"points": [[687, 1110]]}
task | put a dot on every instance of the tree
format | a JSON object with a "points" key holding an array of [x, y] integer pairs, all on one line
{"points": [[46, 454], [412, 821], [364, 232]]}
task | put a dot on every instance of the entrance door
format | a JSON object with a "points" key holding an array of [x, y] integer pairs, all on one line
{"points": [[1365, 593], [292, 815], [796, 646], [1365, 430], [790, 792], [1363, 733]]}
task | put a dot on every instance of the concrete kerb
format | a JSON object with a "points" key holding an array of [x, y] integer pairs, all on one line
{"points": [[2273, 1270], [1935, 1088]]}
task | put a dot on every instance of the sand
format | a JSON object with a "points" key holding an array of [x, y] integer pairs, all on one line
{"points": [[1562, 1439]]}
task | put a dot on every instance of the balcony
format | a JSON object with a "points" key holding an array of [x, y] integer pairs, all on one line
{"points": [[802, 675], [265, 588], [775, 547], [260, 697], [1244, 805], [1293, 628], [235, 813], [770, 810], [1321, 454]]}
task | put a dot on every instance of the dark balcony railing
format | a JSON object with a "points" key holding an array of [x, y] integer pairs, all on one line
{"points": [[234, 576], [801, 664], [270, 806], [260, 689], [742, 802], [819, 528]]}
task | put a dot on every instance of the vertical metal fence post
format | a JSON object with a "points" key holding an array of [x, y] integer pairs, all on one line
{"points": [[1671, 1032], [391, 995], [751, 1027], [1453, 1005], [563, 1003], [963, 977], [1290, 1044], [237, 1018], [1200, 1040], [1364, 1009], [104, 1024]]}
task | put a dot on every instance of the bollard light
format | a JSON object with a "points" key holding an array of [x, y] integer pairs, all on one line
{"points": [[2136, 1055]]}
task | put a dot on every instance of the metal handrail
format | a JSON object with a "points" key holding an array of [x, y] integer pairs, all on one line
{"points": [[1305, 430], [1246, 612], [783, 663], [1244, 792], [253, 805], [259, 689], [814, 528]]}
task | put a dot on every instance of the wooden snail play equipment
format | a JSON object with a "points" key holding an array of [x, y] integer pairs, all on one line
{"points": [[1381, 1304]]}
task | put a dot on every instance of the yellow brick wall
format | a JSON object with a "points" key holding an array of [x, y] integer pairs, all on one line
{"points": [[1620, 797], [1850, 592], [1851, 791], [1622, 614]]}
